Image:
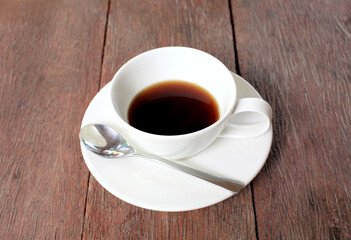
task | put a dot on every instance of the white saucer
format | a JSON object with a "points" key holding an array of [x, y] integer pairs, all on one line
{"points": [[149, 185]]}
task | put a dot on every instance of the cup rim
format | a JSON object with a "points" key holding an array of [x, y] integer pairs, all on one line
{"points": [[174, 137]]}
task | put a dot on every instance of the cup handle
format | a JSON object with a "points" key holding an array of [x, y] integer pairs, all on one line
{"points": [[251, 117]]}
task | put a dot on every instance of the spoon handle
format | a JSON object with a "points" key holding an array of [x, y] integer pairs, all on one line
{"points": [[232, 185]]}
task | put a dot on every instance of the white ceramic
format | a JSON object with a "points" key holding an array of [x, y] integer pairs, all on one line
{"points": [[192, 65], [149, 185]]}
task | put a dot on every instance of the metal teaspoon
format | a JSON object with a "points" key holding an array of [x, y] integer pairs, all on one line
{"points": [[106, 141]]}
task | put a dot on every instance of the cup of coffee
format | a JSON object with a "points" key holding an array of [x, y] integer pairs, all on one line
{"points": [[173, 102]]}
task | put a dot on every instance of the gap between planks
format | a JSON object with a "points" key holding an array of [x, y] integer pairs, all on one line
{"points": [[99, 86], [237, 69]]}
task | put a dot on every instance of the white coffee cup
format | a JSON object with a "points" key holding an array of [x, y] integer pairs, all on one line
{"points": [[195, 66]]}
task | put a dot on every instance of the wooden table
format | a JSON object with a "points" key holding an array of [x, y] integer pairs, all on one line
{"points": [[56, 55]]}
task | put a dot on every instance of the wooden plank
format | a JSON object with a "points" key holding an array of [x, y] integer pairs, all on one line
{"points": [[50, 65], [298, 53], [134, 27]]}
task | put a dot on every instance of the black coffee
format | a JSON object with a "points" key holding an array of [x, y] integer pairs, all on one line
{"points": [[173, 108]]}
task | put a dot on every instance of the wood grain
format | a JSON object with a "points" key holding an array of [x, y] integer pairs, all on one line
{"points": [[134, 27], [298, 54], [50, 64]]}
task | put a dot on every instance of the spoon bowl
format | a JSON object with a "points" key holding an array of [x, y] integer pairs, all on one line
{"points": [[105, 141]]}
